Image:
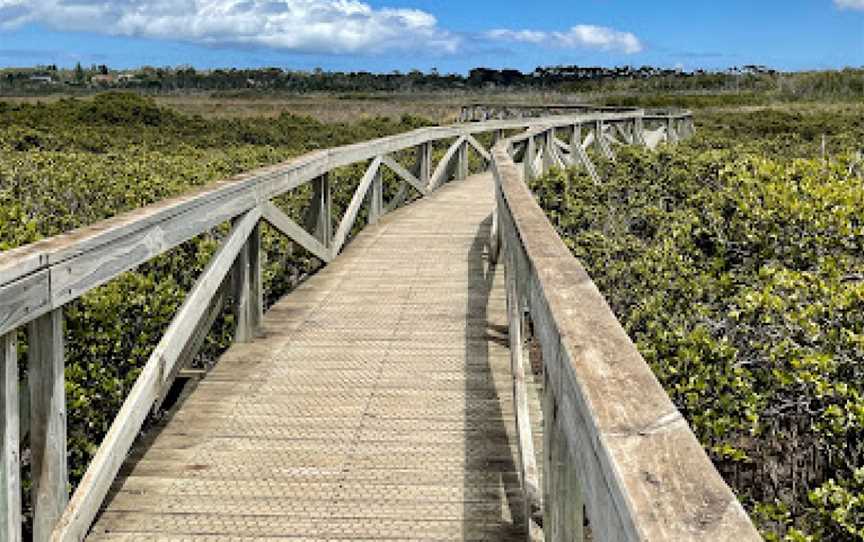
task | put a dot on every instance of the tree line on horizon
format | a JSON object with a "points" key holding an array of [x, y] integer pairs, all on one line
{"points": [[848, 82]]}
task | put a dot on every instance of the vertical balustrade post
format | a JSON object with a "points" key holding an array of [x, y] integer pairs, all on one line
{"points": [[248, 289], [424, 161], [47, 422], [10, 464], [575, 140], [462, 162], [376, 198], [528, 159], [549, 150], [321, 219], [638, 131]]}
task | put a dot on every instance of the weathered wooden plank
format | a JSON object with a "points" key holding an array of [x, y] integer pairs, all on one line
{"points": [[282, 222], [444, 165], [247, 288], [529, 158], [10, 445], [23, 300], [76, 519], [376, 198], [404, 174], [354, 207], [88, 257], [47, 422], [525, 439], [196, 341], [462, 161], [642, 471], [320, 217], [479, 148]]}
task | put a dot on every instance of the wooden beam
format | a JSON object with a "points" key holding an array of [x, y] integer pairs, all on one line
{"points": [[91, 491], [479, 148], [196, 341], [444, 165], [376, 198], [404, 174], [354, 207], [462, 161], [10, 445], [320, 218], [283, 223], [247, 288], [525, 439], [49, 472], [528, 159]]}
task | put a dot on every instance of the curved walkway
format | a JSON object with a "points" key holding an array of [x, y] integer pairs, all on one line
{"points": [[377, 405]]}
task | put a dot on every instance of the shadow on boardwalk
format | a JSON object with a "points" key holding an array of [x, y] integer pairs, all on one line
{"points": [[491, 473]]}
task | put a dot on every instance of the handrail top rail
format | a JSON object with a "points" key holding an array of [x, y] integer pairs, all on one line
{"points": [[647, 463], [649, 113], [22, 261]]}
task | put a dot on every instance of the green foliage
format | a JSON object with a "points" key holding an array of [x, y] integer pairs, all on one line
{"points": [[72, 163], [735, 267]]}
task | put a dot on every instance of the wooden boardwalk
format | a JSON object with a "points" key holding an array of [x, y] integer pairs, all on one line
{"points": [[376, 405]]}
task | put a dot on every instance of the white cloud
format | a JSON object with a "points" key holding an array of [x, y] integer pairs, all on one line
{"points": [[850, 4], [582, 36], [320, 26]]}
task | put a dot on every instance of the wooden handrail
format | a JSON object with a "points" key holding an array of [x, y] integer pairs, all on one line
{"points": [[613, 441], [37, 280]]}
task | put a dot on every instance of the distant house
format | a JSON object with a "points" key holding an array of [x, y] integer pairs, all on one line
{"points": [[103, 80], [126, 77], [42, 79]]}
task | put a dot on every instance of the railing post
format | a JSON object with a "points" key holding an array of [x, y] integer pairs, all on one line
{"points": [[248, 288], [10, 445], [462, 162], [549, 149], [322, 209], [639, 131], [528, 159], [563, 503], [47, 422], [424, 163], [575, 140], [376, 198]]}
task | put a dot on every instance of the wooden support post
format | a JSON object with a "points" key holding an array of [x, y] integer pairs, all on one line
{"points": [[376, 198], [424, 163], [670, 130], [549, 149], [549, 475], [248, 289], [639, 132], [47, 422], [322, 209], [575, 139], [462, 162], [10, 446], [572, 507], [528, 158], [525, 440]]}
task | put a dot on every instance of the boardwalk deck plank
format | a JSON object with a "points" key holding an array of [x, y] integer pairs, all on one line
{"points": [[377, 405]]}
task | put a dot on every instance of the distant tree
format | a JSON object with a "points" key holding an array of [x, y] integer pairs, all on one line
{"points": [[80, 76]]}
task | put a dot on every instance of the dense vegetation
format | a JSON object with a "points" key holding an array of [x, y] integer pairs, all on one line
{"points": [[752, 80], [734, 261], [74, 162]]}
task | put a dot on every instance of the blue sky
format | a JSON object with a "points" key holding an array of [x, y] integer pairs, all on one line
{"points": [[451, 36]]}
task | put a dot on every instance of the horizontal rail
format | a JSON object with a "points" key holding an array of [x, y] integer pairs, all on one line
{"points": [[613, 439], [46, 275], [37, 280]]}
